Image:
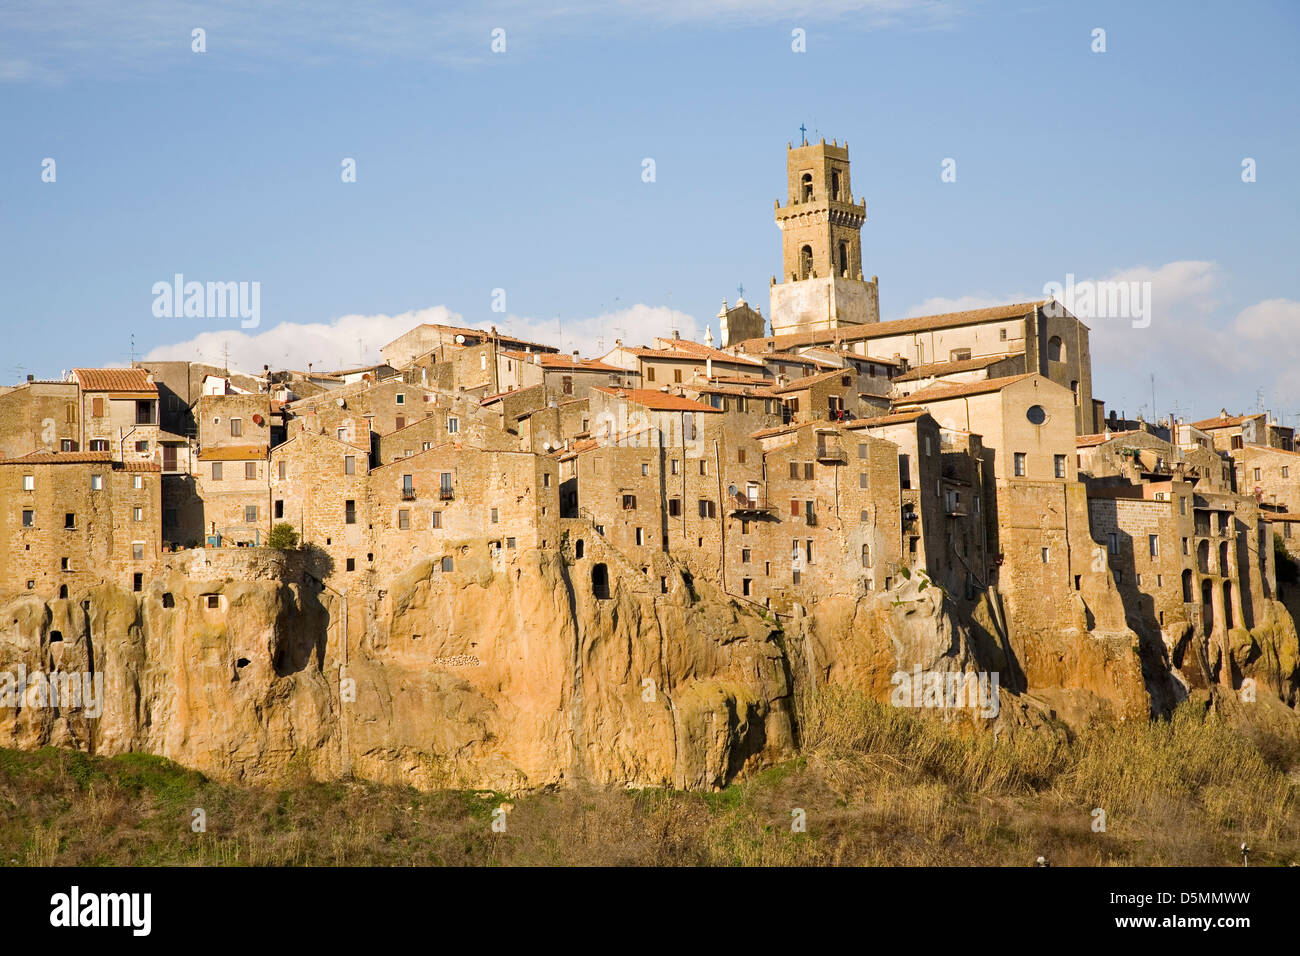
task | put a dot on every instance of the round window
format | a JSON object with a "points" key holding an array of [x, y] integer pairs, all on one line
{"points": [[1036, 414]]}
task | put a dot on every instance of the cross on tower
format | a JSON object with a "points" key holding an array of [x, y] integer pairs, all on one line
{"points": [[741, 289], [803, 134]]}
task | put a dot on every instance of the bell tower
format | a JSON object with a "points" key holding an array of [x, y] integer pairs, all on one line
{"points": [[822, 285]]}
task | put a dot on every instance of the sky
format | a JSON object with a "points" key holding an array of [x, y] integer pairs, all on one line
{"points": [[500, 154]]}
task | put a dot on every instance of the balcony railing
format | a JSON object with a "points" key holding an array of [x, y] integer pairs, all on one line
{"points": [[830, 451], [445, 494], [408, 494], [743, 504]]}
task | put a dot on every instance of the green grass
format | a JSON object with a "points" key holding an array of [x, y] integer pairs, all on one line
{"points": [[877, 786]]}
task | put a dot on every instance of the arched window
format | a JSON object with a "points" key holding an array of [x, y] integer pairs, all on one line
{"points": [[600, 581], [1187, 586], [1055, 349], [805, 262], [844, 259], [578, 548], [806, 194], [63, 590], [835, 184], [1227, 605], [866, 555], [1223, 559]]}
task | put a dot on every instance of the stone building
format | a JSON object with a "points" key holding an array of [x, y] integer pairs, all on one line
{"points": [[72, 520], [39, 417], [232, 489], [119, 412]]}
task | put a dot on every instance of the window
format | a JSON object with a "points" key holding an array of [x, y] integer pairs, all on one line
{"points": [[29, 518], [213, 601], [447, 564], [65, 564], [674, 466], [351, 564], [1059, 461], [1182, 504], [342, 434], [250, 513], [349, 465], [708, 508], [137, 482], [510, 543], [1153, 545], [794, 470], [650, 373], [904, 472], [1002, 335], [69, 520], [959, 355], [1036, 414], [250, 471], [566, 384], [399, 423], [29, 482], [453, 425], [645, 468], [236, 427], [349, 511], [674, 507], [794, 508], [1020, 464], [740, 457], [629, 502], [401, 398], [745, 585], [137, 551], [744, 555], [1046, 552], [704, 467], [137, 582], [1286, 472], [494, 516], [1112, 542], [137, 514], [1074, 387], [97, 408], [279, 507], [96, 482], [403, 519], [216, 471], [546, 479], [1257, 474], [640, 536], [437, 520], [1055, 349]]}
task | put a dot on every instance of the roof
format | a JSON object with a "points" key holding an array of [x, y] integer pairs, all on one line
{"points": [[1225, 421], [685, 350], [775, 430], [478, 333], [114, 380], [897, 418], [233, 453], [61, 458], [560, 361], [797, 358], [810, 380], [1088, 441], [936, 369], [876, 330], [715, 387], [942, 391], [1279, 516], [656, 400]]}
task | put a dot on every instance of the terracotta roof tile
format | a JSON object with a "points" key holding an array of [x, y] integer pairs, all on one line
{"points": [[939, 369], [656, 400], [233, 453], [114, 380], [941, 391], [60, 458]]}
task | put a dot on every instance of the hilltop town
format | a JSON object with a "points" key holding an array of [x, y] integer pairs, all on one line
{"points": [[814, 470]]}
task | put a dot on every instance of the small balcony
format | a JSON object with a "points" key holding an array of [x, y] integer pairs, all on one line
{"points": [[831, 451], [810, 519], [742, 504], [408, 494], [445, 494]]}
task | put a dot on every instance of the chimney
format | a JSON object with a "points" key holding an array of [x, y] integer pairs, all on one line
{"points": [[31, 378]]}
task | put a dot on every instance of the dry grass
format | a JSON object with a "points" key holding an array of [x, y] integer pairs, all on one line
{"points": [[877, 786]]}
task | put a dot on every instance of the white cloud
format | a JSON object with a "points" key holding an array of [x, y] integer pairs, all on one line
{"points": [[939, 305], [352, 340]]}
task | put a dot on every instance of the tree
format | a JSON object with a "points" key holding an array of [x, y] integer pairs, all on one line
{"points": [[282, 537]]}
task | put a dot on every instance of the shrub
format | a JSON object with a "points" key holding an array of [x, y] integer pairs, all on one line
{"points": [[282, 537]]}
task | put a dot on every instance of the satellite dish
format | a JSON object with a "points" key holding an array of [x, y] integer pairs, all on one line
{"points": [[732, 490], [460, 339], [546, 446], [257, 419], [341, 403]]}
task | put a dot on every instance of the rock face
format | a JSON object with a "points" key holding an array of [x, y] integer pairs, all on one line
{"points": [[244, 666]]}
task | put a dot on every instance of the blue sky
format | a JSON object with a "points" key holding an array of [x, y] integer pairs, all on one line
{"points": [[522, 171]]}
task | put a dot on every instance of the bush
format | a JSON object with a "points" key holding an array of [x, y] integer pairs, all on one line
{"points": [[282, 537]]}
